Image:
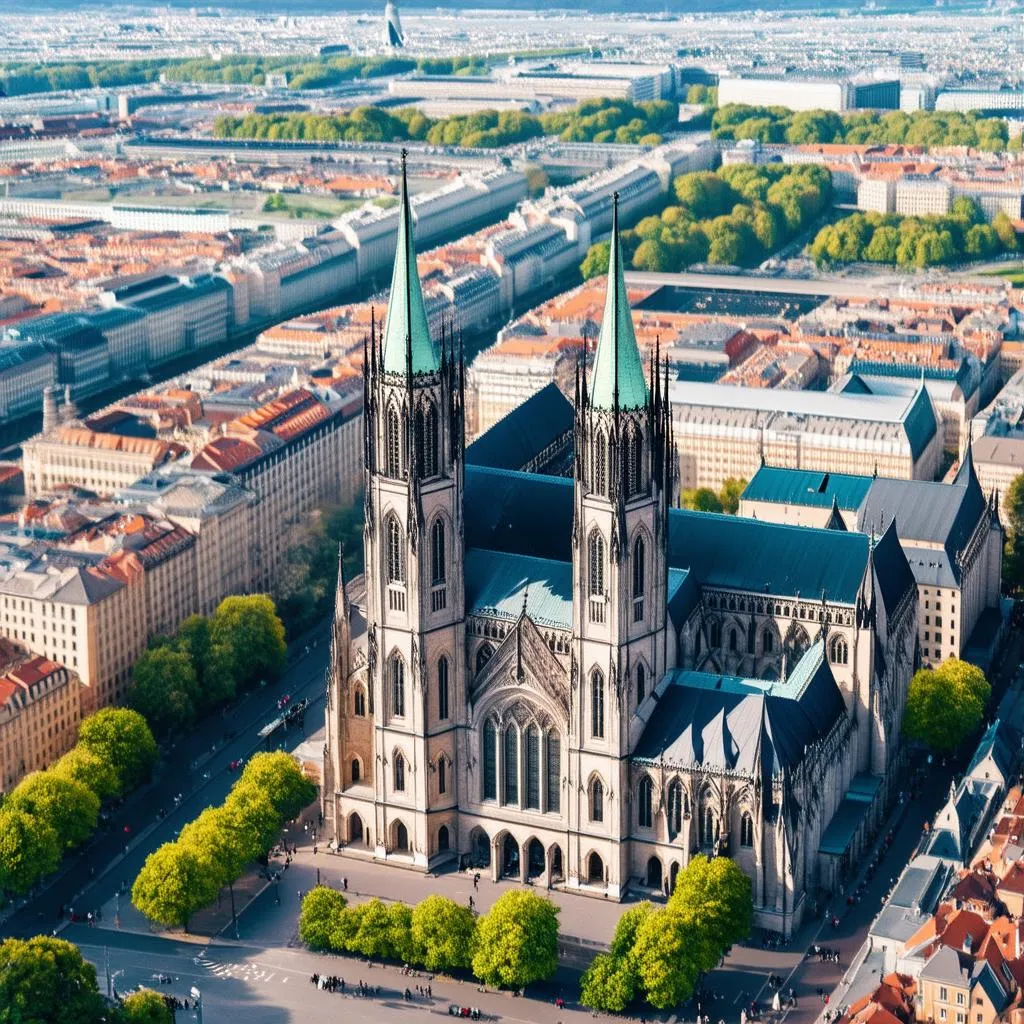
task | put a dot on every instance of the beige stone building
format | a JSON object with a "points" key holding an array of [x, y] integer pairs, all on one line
{"points": [[103, 463], [724, 432], [40, 709]]}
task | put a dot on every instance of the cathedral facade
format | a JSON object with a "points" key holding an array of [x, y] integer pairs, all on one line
{"points": [[570, 681]]}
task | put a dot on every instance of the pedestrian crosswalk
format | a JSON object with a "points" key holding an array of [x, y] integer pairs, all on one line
{"points": [[245, 970]]}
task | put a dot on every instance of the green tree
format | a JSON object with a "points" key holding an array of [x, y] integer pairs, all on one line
{"points": [[517, 941], [274, 202], [666, 969], [249, 812], [443, 933], [882, 248], [702, 499], [945, 706], [279, 775], [123, 739], [46, 981], [91, 770], [400, 932], [212, 664], [144, 1007], [716, 892], [172, 885], [629, 924], [1013, 552], [248, 627], [66, 804], [374, 936], [221, 848], [609, 983], [166, 691], [29, 849], [596, 261], [730, 494], [652, 256], [322, 909], [1003, 227]]}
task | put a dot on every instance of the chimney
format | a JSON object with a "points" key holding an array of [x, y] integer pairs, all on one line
{"points": [[49, 409]]}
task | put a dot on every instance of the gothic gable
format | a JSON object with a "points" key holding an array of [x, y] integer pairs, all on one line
{"points": [[521, 664]]}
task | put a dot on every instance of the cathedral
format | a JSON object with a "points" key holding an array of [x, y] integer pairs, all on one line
{"points": [[570, 681]]}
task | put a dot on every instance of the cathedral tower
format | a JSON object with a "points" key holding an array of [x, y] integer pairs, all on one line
{"points": [[413, 542], [620, 566]]}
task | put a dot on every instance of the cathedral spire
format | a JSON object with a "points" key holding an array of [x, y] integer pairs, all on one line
{"points": [[617, 381], [408, 347]]}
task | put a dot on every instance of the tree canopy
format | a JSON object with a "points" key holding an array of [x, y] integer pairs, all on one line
{"points": [[318, 919], [69, 806], [166, 690], [144, 1007], [945, 706], [122, 738], [29, 849], [46, 981], [1013, 552], [517, 940], [278, 774], [443, 933], [248, 628], [173, 884]]}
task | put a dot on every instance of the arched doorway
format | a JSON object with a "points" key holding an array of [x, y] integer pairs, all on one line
{"points": [[654, 873], [355, 828], [443, 839], [479, 848], [509, 857], [401, 837], [534, 859], [595, 869], [356, 770], [556, 872], [673, 874]]}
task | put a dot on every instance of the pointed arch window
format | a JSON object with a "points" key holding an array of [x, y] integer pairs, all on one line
{"points": [[490, 761], [597, 704], [675, 807], [596, 801], [750, 641], [426, 440], [644, 802], [746, 829], [510, 768], [359, 702], [533, 768], [715, 635], [554, 772], [839, 651], [767, 642], [733, 640], [438, 568], [601, 463], [483, 655], [641, 684], [442, 688], [639, 578], [397, 686], [399, 773], [394, 552], [595, 573], [442, 776], [393, 441]]}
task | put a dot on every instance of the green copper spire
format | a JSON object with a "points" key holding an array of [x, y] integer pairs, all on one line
{"points": [[405, 329], [618, 377]]}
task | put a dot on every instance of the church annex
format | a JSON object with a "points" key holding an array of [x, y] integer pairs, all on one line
{"points": [[571, 681]]}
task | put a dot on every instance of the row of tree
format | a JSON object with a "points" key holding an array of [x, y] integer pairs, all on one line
{"points": [[53, 811], [513, 945], [705, 499], [925, 241], [737, 216], [207, 661], [211, 852], [658, 954], [1013, 549], [47, 980], [920, 128], [599, 120]]}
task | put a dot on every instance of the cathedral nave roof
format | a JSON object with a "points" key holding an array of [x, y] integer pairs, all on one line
{"points": [[498, 582]]}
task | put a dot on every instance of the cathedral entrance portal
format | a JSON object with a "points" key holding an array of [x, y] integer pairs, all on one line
{"points": [[510, 858], [654, 874], [595, 869], [556, 873], [534, 859], [355, 828], [479, 848]]}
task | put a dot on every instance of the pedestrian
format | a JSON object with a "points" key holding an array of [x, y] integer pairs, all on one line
{"points": [[430, 992], [344, 884], [470, 902], [476, 881]]}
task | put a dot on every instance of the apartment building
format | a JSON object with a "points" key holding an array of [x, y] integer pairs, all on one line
{"points": [[74, 455], [26, 369], [294, 454], [40, 710], [724, 432]]}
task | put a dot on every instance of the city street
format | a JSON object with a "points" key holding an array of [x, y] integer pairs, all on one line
{"points": [[197, 768]]}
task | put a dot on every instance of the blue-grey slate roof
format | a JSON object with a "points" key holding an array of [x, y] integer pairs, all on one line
{"points": [[497, 582], [920, 423], [518, 438], [809, 487], [895, 576]]}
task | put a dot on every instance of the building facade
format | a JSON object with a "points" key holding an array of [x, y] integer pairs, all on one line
{"points": [[570, 681]]}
